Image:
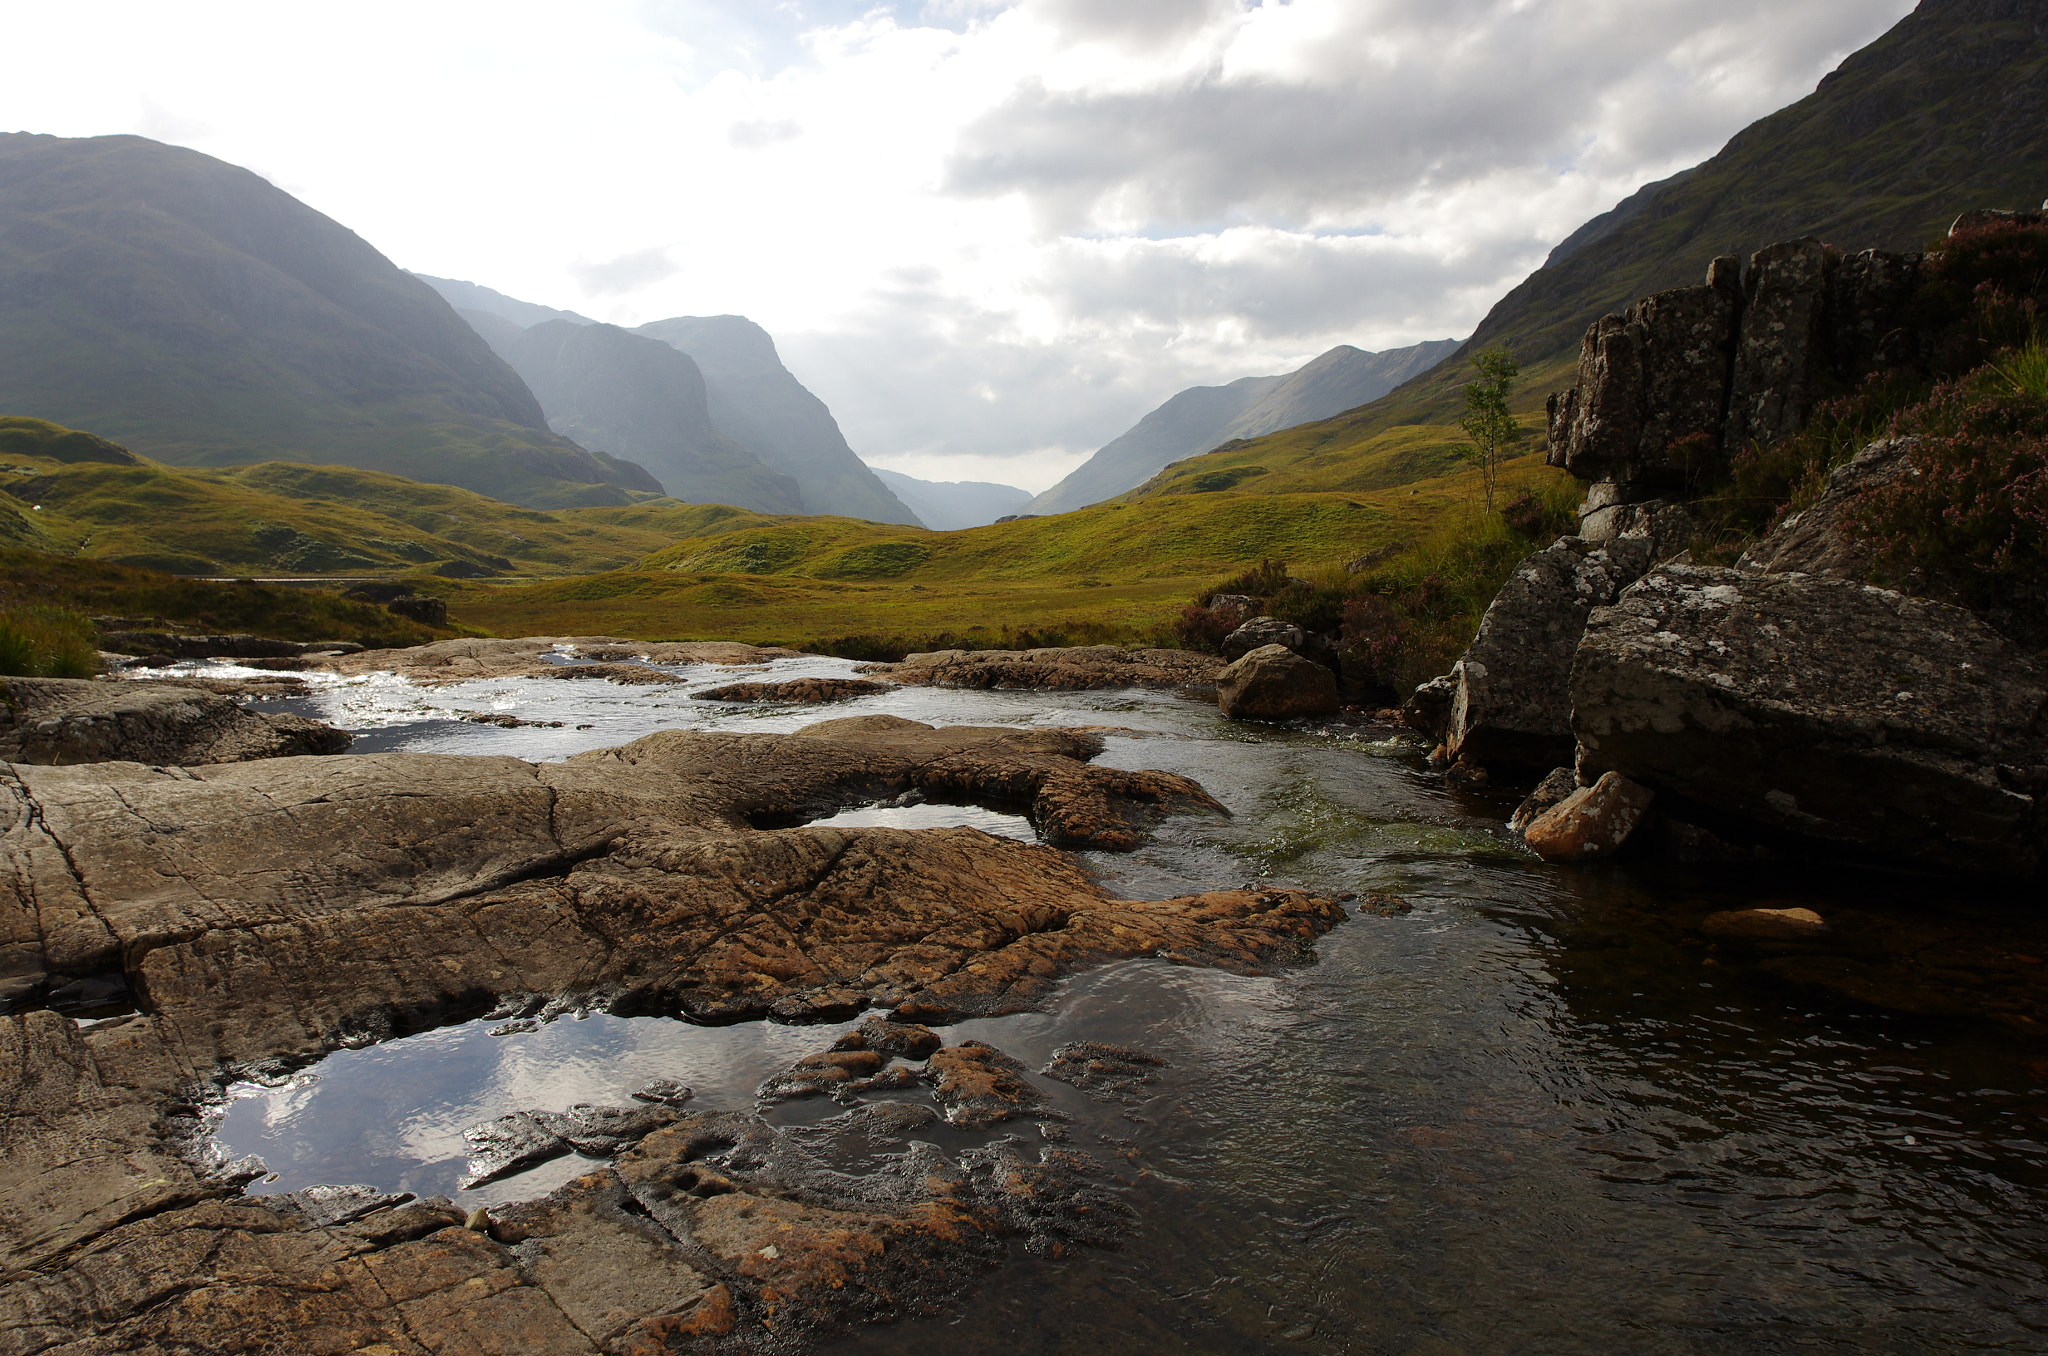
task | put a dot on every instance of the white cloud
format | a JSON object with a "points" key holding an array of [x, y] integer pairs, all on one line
{"points": [[990, 234]]}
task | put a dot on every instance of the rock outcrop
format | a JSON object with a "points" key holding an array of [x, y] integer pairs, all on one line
{"points": [[397, 891], [1274, 683], [61, 721], [1822, 710], [1067, 668], [1672, 386], [1511, 698]]}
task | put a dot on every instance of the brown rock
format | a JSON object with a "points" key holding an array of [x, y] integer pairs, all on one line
{"points": [[1763, 925], [979, 1085], [59, 722], [467, 658], [796, 690], [1065, 669], [1274, 683], [1592, 822]]}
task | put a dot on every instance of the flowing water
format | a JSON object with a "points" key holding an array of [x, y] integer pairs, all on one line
{"points": [[1527, 1116]]}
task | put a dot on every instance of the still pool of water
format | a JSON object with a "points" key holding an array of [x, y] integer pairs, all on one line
{"points": [[1527, 1116]]}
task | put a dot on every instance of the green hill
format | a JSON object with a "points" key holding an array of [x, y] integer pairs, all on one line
{"points": [[1943, 113], [191, 310], [74, 493]]}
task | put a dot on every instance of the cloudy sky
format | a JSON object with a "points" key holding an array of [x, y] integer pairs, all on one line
{"points": [[990, 233]]}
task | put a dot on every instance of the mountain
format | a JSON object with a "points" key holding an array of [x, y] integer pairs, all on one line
{"points": [[1946, 111], [949, 505], [759, 402], [201, 316], [1202, 417], [469, 296], [635, 397]]}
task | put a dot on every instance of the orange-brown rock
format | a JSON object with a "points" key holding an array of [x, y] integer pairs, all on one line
{"points": [[1763, 925], [1592, 822], [798, 690], [1065, 668], [395, 891]]}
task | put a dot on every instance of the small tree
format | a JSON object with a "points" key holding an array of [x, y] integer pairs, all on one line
{"points": [[1487, 421]]}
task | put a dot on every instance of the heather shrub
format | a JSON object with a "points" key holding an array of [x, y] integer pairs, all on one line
{"points": [[1971, 522]]}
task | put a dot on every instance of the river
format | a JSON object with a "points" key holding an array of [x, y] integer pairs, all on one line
{"points": [[1532, 1114]]}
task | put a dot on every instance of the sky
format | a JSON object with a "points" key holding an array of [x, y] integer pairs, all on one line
{"points": [[990, 234]]}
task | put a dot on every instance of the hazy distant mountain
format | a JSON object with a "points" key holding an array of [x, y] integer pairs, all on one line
{"points": [[948, 505], [196, 313], [1201, 417], [756, 400], [635, 397], [469, 296]]}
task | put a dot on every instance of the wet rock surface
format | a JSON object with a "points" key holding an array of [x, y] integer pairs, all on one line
{"points": [[802, 690], [979, 1085], [398, 890], [1069, 668], [60, 722], [1103, 1071], [1274, 683], [1821, 710], [1590, 822], [612, 657]]}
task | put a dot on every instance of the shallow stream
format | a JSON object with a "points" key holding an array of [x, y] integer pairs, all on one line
{"points": [[1530, 1115]]}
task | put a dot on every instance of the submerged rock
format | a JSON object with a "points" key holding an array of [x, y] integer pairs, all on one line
{"points": [[1274, 683], [1764, 925], [61, 722], [1102, 1071], [507, 1145], [1821, 710]]}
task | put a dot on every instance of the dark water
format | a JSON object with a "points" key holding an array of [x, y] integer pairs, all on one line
{"points": [[1529, 1116]]}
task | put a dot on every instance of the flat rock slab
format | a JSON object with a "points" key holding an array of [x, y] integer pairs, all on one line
{"points": [[1820, 709], [798, 690], [63, 721], [1062, 669], [395, 891], [467, 659]]}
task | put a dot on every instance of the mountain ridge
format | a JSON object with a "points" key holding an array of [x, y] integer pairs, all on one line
{"points": [[1199, 418], [191, 309]]}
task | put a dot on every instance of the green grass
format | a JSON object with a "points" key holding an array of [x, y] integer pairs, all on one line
{"points": [[38, 640], [1114, 572]]}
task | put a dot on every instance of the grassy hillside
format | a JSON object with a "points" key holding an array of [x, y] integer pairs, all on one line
{"points": [[1113, 571], [1941, 114], [68, 492]]}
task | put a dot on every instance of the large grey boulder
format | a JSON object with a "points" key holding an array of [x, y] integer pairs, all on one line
{"points": [[1893, 727], [64, 721], [1263, 631], [1274, 683], [1511, 702]]}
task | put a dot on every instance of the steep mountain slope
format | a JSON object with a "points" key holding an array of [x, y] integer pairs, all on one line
{"points": [[196, 312], [1945, 112], [949, 505], [1202, 417], [759, 402], [637, 398], [469, 296]]}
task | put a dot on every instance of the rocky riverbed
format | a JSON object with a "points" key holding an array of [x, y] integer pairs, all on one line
{"points": [[1497, 1102]]}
